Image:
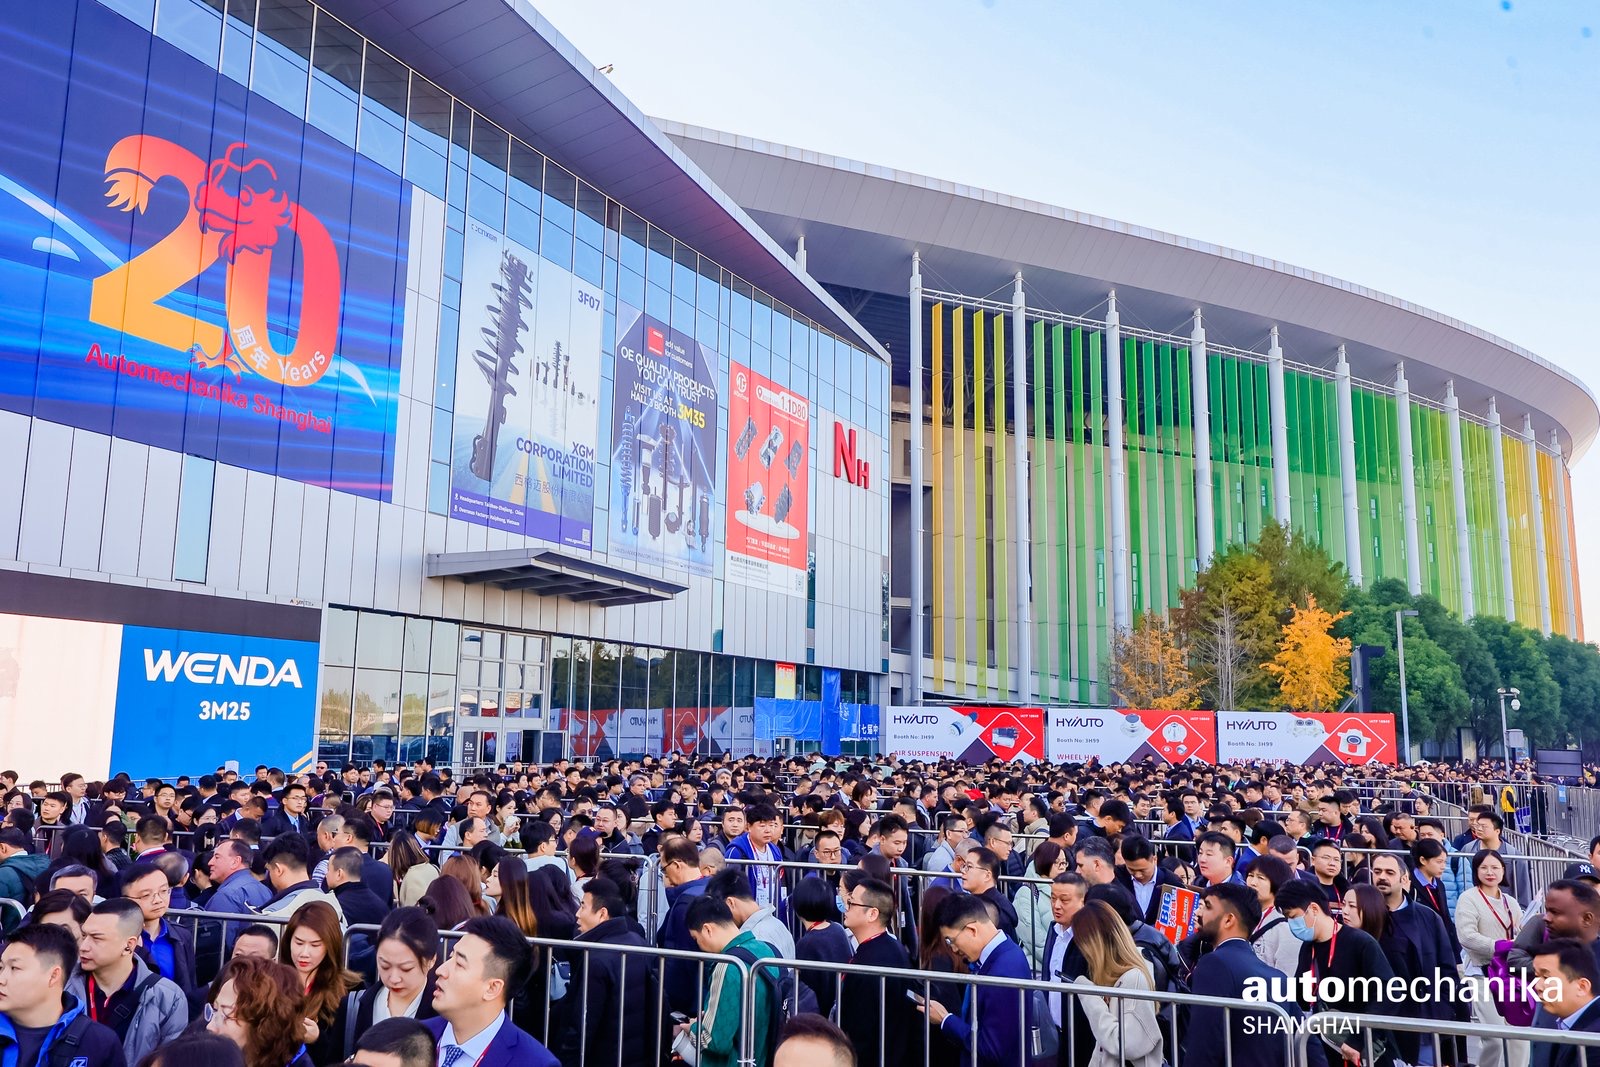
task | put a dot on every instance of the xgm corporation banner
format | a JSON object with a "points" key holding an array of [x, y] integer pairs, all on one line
{"points": [[186, 264], [1305, 738], [527, 393], [151, 701], [769, 431], [1123, 735], [663, 445], [971, 735]]}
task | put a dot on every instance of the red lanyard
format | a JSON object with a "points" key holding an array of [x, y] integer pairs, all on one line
{"points": [[1333, 946], [93, 1014], [1506, 923]]}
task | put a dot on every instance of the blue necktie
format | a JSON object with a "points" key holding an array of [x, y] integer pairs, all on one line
{"points": [[450, 1055]]}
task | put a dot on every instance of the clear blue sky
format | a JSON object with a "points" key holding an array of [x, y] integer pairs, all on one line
{"points": [[1446, 152]]}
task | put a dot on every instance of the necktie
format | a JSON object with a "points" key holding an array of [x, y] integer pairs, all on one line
{"points": [[450, 1055]]}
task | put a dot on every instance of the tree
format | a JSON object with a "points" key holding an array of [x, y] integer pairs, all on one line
{"points": [[1519, 656], [1312, 666], [1220, 657], [1300, 570], [1239, 583], [1149, 669], [1576, 669]]}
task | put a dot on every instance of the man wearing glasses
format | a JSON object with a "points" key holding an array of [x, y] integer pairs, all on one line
{"points": [[170, 947], [867, 908], [952, 829], [993, 1024]]}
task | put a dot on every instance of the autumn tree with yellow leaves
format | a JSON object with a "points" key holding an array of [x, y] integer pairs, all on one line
{"points": [[1150, 669], [1312, 666]]}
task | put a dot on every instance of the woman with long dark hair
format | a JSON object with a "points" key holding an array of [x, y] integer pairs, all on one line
{"points": [[465, 870], [413, 871], [313, 944], [933, 954], [447, 901], [260, 1007], [408, 951]]}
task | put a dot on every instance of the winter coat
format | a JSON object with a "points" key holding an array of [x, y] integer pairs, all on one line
{"points": [[159, 1017]]}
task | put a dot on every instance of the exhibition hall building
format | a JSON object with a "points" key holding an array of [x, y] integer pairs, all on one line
{"points": [[377, 381]]}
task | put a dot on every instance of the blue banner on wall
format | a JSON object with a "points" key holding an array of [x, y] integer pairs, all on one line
{"points": [[800, 720], [832, 727], [190, 701], [186, 264]]}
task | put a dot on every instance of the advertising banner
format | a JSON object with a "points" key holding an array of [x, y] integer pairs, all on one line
{"points": [[1305, 738], [731, 732], [1179, 913], [769, 430], [1122, 735], [152, 701], [971, 735], [188, 265], [663, 445], [527, 393], [637, 731]]}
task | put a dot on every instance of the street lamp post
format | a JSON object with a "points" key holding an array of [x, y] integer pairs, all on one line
{"points": [[1505, 734], [1405, 711]]}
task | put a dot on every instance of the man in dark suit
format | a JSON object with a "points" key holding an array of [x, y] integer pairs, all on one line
{"points": [[965, 922], [1142, 876], [868, 908], [1228, 912], [472, 988], [1567, 967], [609, 982], [291, 816]]}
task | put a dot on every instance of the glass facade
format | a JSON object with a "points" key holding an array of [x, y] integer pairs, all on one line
{"points": [[970, 426]]}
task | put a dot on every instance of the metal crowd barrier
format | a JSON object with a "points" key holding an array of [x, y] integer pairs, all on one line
{"points": [[1438, 1033]]}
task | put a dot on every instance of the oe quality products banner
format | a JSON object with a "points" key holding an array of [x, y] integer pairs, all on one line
{"points": [[663, 445], [1306, 738], [1124, 735], [187, 264], [769, 460], [527, 393], [972, 735]]}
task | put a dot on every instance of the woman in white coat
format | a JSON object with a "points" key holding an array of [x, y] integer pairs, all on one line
{"points": [[1274, 943], [1486, 914], [1033, 900], [1126, 1031]]}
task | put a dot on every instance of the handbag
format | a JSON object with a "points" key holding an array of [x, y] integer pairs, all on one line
{"points": [[1509, 990]]}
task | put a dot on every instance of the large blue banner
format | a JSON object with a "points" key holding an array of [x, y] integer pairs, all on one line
{"points": [[190, 701], [663, 445], [186, 264]]}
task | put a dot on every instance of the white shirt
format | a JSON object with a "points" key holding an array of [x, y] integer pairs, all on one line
{"points": [[380, 1007], [475, 1048], [766, 887], [1142, 892], [1058, 956]]}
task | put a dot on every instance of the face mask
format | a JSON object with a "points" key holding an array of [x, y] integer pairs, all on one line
{"points": [[1302, 930], [840, 901]]}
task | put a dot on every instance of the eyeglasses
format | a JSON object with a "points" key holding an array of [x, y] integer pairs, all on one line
{"points": [[151, 894], [213, 1011], [848, 904]]}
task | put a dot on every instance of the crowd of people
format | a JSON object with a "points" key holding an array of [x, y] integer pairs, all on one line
{"points": [[612, 914]]}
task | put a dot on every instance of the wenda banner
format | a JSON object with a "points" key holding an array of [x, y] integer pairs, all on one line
{"points": [[186, 264]]}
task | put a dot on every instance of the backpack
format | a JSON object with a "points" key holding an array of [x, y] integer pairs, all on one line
{"points": [[64, 1049], [788, 999]]}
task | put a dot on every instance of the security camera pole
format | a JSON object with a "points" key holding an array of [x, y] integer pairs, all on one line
{"points": [[1505, 735]]}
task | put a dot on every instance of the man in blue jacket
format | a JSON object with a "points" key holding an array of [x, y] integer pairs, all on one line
{"points": [[969, 928], [40, 1024], [1228, 913], [680, 867], [760, 842], [474, 985]]}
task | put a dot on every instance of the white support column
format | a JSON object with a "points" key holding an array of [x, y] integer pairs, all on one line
{"points": [[1563, 537], [914, 670], [800, 254], [1458, 490], [1541, 580], [1281, 508], [1205, 537], [1024, 569], [1347, 469], [1408, 481], [1121, 590], [1497, 456]]}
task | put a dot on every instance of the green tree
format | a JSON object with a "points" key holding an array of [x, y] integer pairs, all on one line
{"points": [[1300, 570], [1230, 617], [1576, 668], [1519, 657]]}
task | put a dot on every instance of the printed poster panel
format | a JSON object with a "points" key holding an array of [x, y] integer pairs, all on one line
{"points": [[637, 731], [968, 734], [663, 445], [1305, 738], [1123, 735], [186, 264], [527, 394], [1179, 913], [769, 429]]}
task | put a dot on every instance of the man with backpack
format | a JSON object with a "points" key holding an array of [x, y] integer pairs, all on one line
{"points": [[119, 989], [715, 1034], [19, 868], [41, 1024]]}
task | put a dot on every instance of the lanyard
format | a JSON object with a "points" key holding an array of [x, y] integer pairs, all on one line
{"points": [[1333, 947], [1505, 923], [93, 1014], [1433, 895]]}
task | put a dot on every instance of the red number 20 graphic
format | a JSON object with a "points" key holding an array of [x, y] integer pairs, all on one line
{"points": [[237, 213]]}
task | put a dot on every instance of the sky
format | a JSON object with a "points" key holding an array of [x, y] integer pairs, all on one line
{"points": [[1445, 152]]}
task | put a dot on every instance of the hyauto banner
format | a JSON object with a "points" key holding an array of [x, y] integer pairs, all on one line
{"points": [[1125, 735], [527, 393], [768, 467], [663, 445], [1305, 738], [972, 735]]}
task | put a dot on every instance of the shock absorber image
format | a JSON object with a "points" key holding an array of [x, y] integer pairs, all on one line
{"points": [[498, 361]]}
